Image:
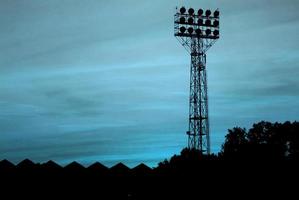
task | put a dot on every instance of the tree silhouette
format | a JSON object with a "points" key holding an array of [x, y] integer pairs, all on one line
{"points": [[264, 141], [235, 143]]}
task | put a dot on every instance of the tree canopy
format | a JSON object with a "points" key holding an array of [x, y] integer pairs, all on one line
{"points": [[265, 140]]}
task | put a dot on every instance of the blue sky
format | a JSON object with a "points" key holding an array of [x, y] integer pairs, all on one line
{"points": [[107, 81]]}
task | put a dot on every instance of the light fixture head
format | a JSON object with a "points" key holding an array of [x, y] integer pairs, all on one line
{"points": [[198, 31], [216, 13], [183, 29], [182, 10], [200, 22], [190, 20], [208, 22], [191, 11], [216, 23], [208, 31], [182, 20], [208, 13], [190, 30], [200, 12], [215, 32]]}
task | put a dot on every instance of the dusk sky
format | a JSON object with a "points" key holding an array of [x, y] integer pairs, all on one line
{"points": [[107, 81]]}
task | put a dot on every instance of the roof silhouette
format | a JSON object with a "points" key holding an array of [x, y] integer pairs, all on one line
{"points": [[120, 169], [74, 166], [142, 169], [5, 164], [26, 164], [51, 165], [120, 166], [97, 167]]}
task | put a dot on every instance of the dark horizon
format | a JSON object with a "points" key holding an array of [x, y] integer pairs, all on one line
{"points": [[100, 81]]}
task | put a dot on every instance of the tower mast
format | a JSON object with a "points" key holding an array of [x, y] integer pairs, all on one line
{"points": [[197, 32]]}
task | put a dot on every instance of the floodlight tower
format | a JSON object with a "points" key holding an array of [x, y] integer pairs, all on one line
{"points": [[197, 32]]}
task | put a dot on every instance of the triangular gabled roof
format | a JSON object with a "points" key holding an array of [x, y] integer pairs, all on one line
{"points": [[98, 167], [120, 167], [142, 168], [51, 165], [26, 164], [74, 166], [5, 164]]}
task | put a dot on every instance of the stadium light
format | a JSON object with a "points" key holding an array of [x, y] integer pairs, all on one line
{"points": [[202, 23], [197, 31]]}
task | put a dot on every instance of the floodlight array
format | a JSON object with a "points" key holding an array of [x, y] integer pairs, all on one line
{"points": [[199, 24]]}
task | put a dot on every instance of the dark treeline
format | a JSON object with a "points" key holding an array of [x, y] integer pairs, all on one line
{"points": [[261, 160], [265, 141]]}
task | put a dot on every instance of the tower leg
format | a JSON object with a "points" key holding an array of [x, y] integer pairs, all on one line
{"points": [[198, 134]]}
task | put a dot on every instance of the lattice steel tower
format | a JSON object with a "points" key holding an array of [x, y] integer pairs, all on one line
{"points": [[197, 32]]}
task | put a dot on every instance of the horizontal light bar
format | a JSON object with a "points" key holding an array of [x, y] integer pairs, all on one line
{"points": [[210, 23], [200, 12], [183, 28], [198, 31], [196, 16], [196, 36]]}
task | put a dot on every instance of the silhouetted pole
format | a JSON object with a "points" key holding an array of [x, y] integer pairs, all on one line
{"points": [[197, 32]]}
